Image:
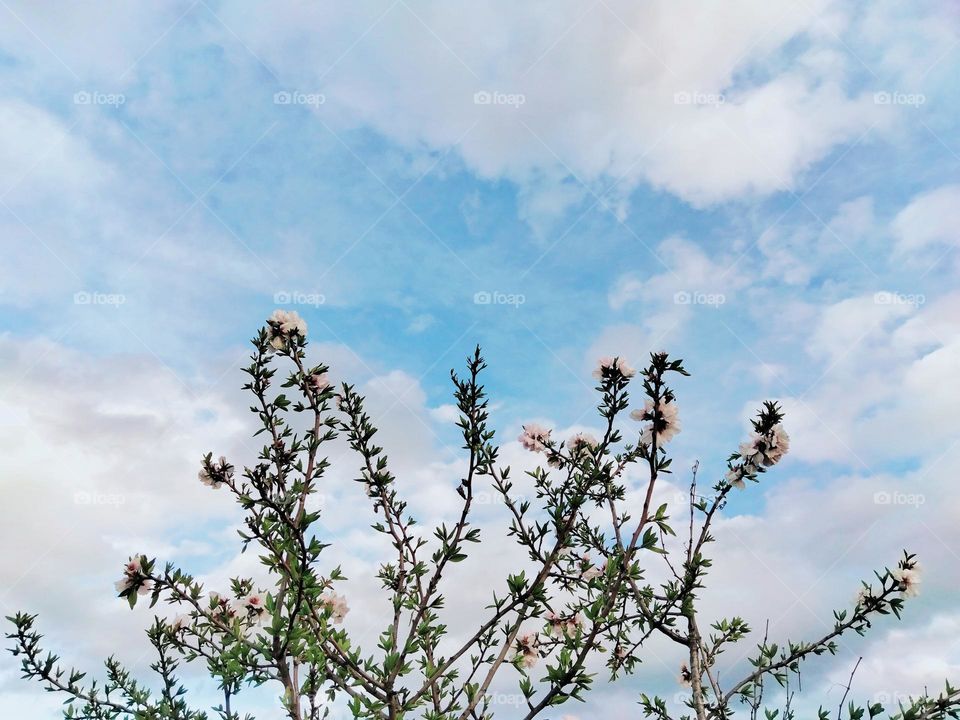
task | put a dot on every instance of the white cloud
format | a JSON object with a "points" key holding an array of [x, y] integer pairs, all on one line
{"points": [[930, 220], [882, 370], [904, 663], [798, 255], [686, 281], [664, 93]]}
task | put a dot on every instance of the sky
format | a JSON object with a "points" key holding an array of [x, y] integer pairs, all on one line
{"points": [[767, 190]]}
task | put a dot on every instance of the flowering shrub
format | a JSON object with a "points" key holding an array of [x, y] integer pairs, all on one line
{"points": [[582, 603]]}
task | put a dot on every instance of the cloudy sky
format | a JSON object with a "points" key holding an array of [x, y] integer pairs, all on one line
{"points": [[768, 190]]}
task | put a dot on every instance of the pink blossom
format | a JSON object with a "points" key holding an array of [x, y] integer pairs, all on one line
{"points": [[735, 478], [663, 419], [909, 579], [528, 649], [606, 365], [216, 473], [319, 382], [283, 325], [534, 437], [133, 578], [253, 606], [766, 450], [581, 442], [591, 571], [559, 626], [337, 605], [178, 623]]}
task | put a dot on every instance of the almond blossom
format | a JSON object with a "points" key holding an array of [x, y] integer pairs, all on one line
{"points": [[337, 605], [662, 418], [528, 649], [221, 609], [319, 382], [534, 437], [909, 580], [133, 579], [178, 623], [559, 626], [284, 325], [735, 477], [864, 596], [216, 474], [581, 442], [766, 450], [253, 606], [589, 571], [607, 365]]}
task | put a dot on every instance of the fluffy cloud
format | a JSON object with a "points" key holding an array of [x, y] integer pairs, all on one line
{"points": [[666, 93], [884, 363], [931, 221]]}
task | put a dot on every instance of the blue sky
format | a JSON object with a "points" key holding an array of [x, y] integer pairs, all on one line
{"points": [[769, 192]]}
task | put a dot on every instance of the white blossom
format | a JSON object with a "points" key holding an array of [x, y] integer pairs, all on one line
{"points": [[560, 626], [528, 649], [133, 578], [663, 419], [580, 442], [253, 606], [178, 623], [319, 382], [735, 477], [337, 605], [909, 579], [865, 594], [589, 571], [283, 325], [606, 364], [534, 437], [216, 474], [766, 450]]}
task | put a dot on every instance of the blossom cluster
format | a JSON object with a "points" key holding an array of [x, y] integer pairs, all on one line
{"points": [[661, 417], [134, 579], [215, 474], [766, 446], [588, 592], [283, 326]]}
